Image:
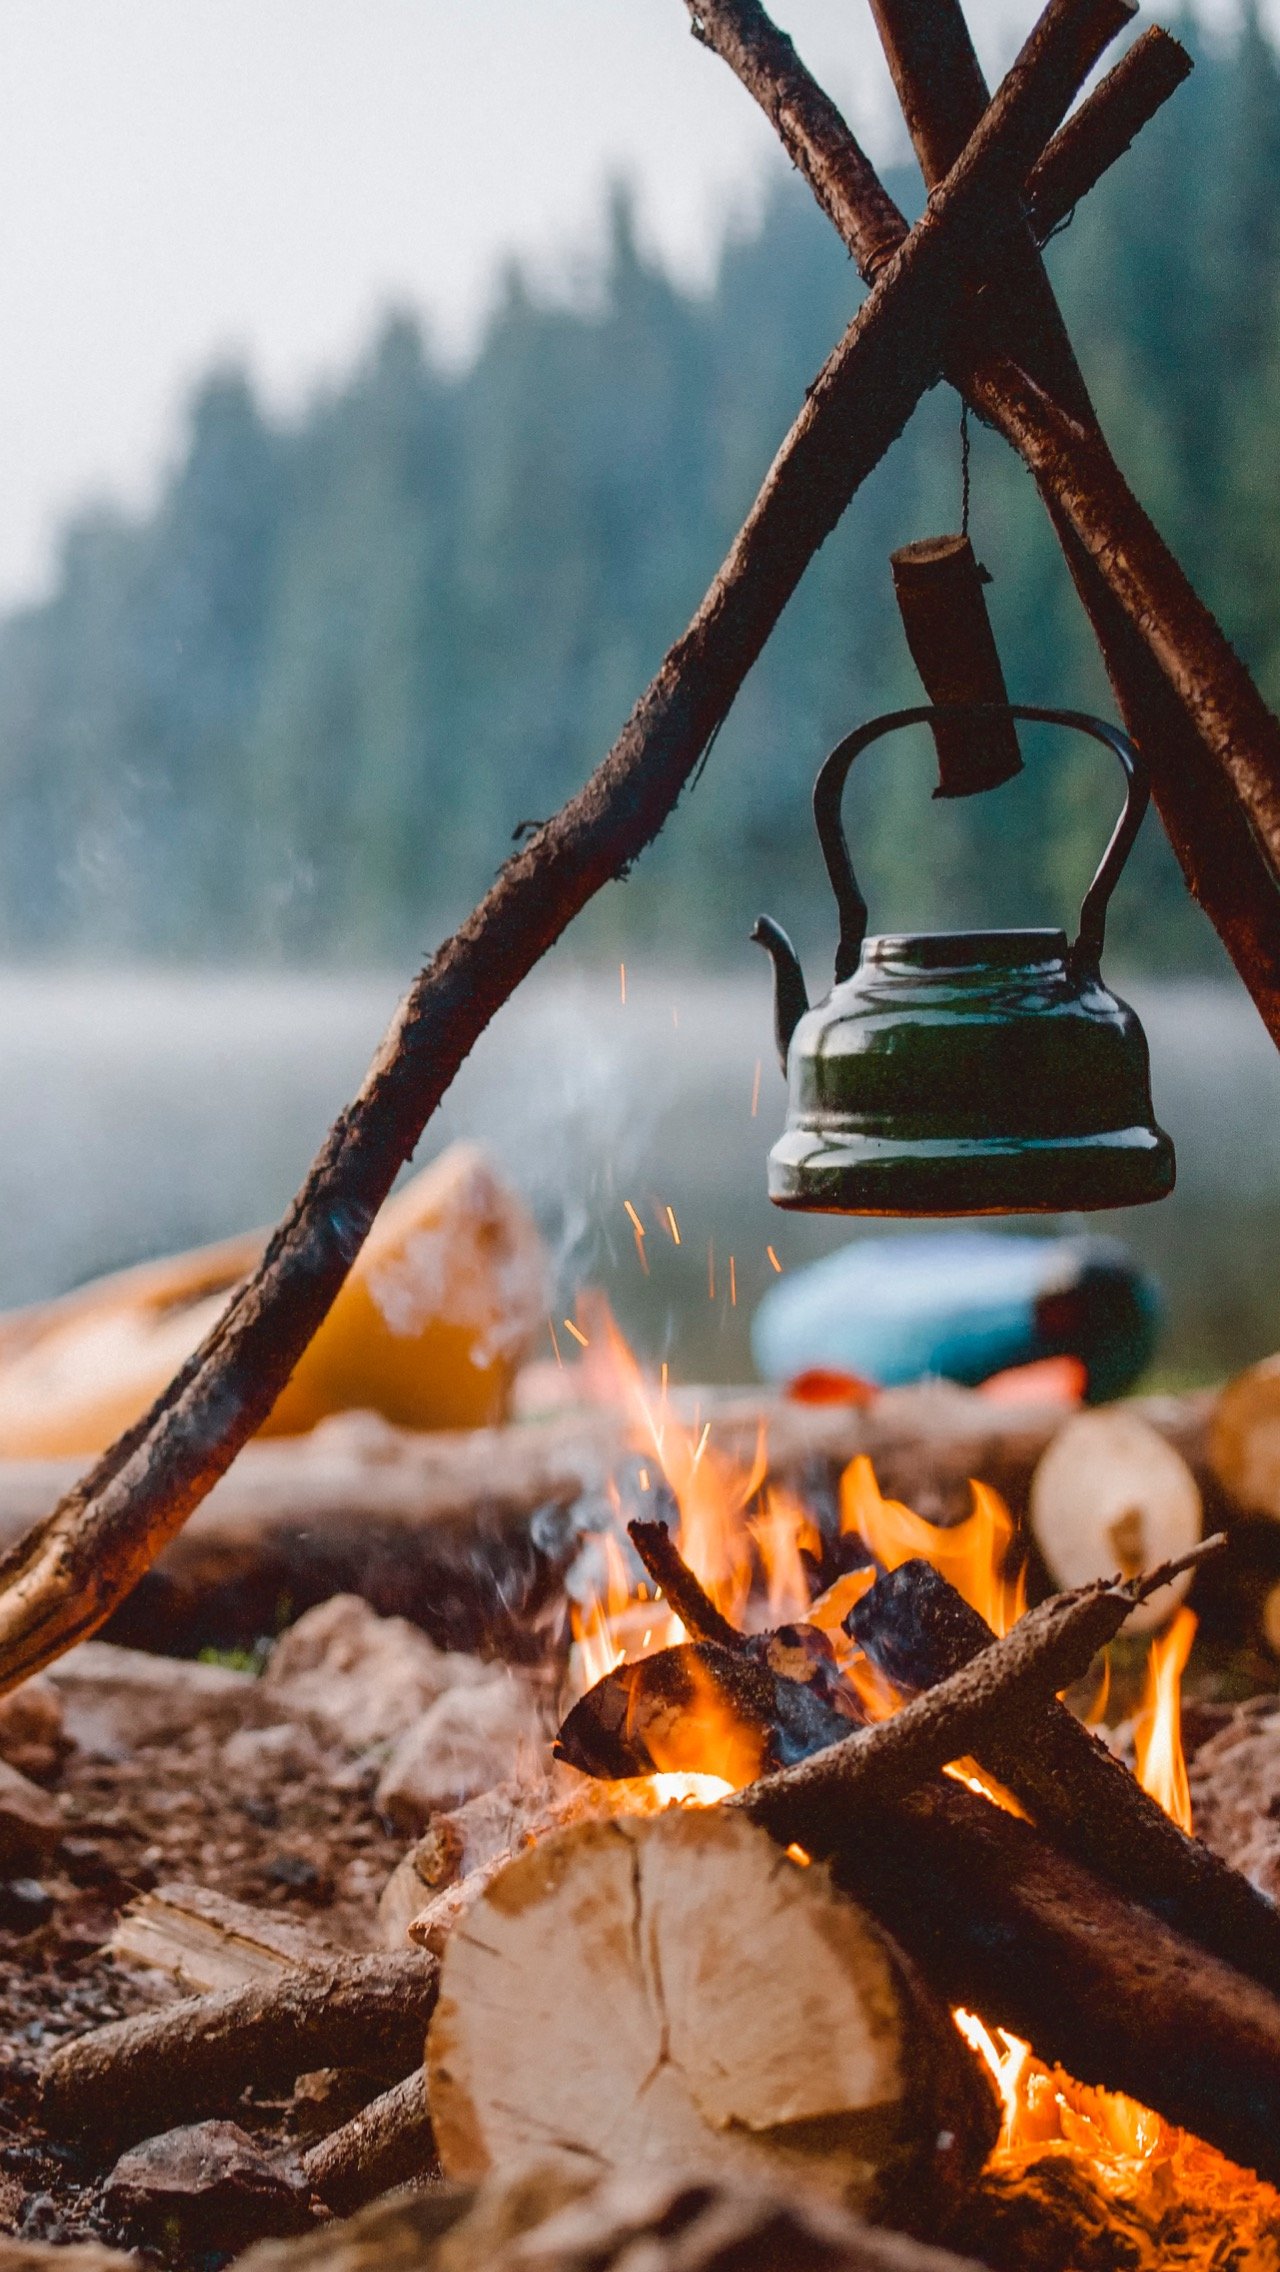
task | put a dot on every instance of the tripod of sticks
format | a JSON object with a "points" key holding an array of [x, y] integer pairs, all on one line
{"points": [[962, 296]]}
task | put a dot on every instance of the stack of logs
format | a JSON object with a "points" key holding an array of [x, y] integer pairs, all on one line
{"points": [[760, 1987]]}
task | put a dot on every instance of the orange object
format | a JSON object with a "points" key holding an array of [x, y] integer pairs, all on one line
{"points": [[1047, 1380], [442, 1303], [822, 1385]]}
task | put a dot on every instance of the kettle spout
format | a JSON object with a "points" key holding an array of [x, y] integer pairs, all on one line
{"points": [[790, 1000]]}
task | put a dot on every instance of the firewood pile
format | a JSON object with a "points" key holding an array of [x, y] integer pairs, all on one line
{"points": [[685, 1893]]}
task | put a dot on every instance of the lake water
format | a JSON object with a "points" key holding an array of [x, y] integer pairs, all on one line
{"points": [[145, 1111]]}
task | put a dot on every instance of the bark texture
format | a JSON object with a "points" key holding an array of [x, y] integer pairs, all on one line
{"points": [[139, 2076]]}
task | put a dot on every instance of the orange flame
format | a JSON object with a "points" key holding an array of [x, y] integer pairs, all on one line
{"points": [[972, 1554], [781, 1533], [1157, 1735]]}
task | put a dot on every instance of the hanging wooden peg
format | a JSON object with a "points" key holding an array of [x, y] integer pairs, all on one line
{"points": [[944, 614]]}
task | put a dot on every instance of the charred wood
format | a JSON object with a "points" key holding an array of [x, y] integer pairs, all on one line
{"points": [[918, 1630], [1045, 1651], [694, 1607], [1003, 1922]]}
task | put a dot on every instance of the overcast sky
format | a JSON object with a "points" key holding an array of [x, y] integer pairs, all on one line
{"points": [[187, 179]]}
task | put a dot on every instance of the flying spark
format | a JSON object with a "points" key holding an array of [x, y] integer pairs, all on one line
{"points": [[578, 1335]]}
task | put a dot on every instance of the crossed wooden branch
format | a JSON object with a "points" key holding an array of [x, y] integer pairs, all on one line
{"points": [[995, 171]]}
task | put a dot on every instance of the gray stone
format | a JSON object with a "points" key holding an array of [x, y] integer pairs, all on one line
{"points": [[204, 2186]]}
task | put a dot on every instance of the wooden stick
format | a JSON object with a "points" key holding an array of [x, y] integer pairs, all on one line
{"points": [[1006, 1924], [1075, 1788], [1109, 119], [1190, 755], [73, 1569], [134, 2077], [1046, 1650], [388, 2143], [671, 1574]]}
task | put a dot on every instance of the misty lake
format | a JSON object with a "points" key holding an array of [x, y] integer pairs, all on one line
{"points": [[143, 1111]]}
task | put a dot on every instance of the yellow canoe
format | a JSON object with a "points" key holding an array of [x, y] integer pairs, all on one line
{"points": [[439, 1310]]}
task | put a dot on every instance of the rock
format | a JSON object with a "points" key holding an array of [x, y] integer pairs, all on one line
{"points": [[366, 1678], [470, 1739], [30, 1824], [1235, 1792], [24, 1905], [117, 1701], [283, 1754], [32, 1737], [204, 2186]]}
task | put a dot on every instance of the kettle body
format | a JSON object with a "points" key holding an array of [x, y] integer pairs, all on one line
{"points": [[964, 1073]]}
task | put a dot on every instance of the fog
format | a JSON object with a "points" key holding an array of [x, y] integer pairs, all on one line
{"points": [[145, 1112]]}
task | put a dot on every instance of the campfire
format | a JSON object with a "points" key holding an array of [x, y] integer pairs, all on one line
{"points": [[760, 1557], [812, 1890]]}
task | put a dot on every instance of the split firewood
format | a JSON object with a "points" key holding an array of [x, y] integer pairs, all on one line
{"points": [[1112, 1494], [680, 1993], [465, 1847], [919, 1631], [1004, 1923], [389, 2142], [204, 1941], [137, 2076]]}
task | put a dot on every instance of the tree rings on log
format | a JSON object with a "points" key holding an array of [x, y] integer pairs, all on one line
{"points": [[660, 1987], [1112, 1496]]}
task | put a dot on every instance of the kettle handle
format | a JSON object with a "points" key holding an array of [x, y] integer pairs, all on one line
{"points": [[828, 791]]}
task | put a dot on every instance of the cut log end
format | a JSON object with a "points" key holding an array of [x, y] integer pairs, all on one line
{"points": [[632, 1992], [1111, 1495]]}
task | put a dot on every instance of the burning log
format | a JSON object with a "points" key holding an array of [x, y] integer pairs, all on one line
{"points": [[682, 1993], [737, 1712], [135, 2077], [1004, 1923], [916, 1628], [671, 1574]]}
